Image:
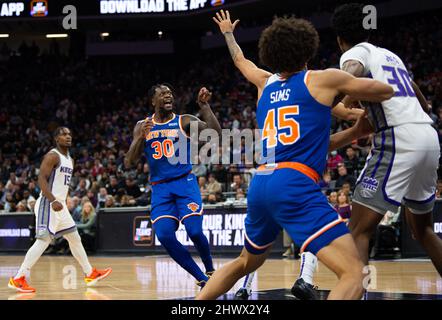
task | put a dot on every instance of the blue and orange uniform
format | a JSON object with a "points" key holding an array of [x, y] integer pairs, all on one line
{"points": [[295, 131], [175, 194]]}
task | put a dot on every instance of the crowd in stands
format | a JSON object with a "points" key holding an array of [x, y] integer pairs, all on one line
{"points": [[101, 98]]}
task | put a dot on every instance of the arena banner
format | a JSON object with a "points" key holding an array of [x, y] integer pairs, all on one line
{"points": [[132, 231], [16, 231]]}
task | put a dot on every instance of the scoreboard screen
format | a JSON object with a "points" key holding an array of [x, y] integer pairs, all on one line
{"points": [[53, 8]]}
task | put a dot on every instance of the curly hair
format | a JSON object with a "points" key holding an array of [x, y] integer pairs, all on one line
{"points": [[58, 131], [288, 44], [347, 23]]}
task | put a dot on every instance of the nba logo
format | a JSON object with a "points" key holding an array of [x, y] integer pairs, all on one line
{"points": [[39, 8], [216, 3]]}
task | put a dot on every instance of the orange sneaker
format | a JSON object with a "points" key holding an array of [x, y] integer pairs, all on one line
{"points": [[20, 285], [96, 276]]}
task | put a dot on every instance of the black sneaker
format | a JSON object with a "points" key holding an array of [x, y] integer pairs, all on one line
{"points": [[201, 284], [304, 291], [242, 294]]}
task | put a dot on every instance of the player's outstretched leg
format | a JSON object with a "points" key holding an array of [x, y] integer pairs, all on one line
{"points": [[246, 290], [224, 278], [92, 275], [303, 288], [194, 228], [341, 257], [421, 226], [165, 231], [34, 253]]}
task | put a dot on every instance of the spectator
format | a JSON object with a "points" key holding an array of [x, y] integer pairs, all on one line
{"points": [[21, 206], [351, 161], [439, 189], [214, 187], [324, 183], [132, 189], [346, 187], [112, 189], [333, 198], [332, 162], [343, 206], [101, 198], [81, 190], [86, 227], [202, 183], [110, 202], [344, 177], [238, 183]]}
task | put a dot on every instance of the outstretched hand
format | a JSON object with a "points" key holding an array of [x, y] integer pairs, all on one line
{"points": [[224, 23], [204, 96]]}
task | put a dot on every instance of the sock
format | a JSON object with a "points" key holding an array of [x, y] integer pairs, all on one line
{"points": [[165, 231], [78, 251], [32, 256], [194, 229], [248, 281], [308, 266]]}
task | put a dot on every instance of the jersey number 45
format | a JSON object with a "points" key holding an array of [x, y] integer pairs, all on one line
{"points": [[277, 120]]}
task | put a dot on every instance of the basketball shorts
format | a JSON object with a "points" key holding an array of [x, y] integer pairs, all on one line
{"points": [[176, 199], [52, 223], [288, 199], [401, 169]]}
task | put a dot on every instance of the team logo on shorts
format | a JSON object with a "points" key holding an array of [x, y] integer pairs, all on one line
{"points": [[193, 206], [369, 187]]}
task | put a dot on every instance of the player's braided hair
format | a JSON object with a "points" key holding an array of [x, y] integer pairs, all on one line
{"points": [[288, 44], [152, 90], [347, 23]]}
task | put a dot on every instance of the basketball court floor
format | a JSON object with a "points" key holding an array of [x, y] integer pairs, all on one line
{"points": [[159, 277]]}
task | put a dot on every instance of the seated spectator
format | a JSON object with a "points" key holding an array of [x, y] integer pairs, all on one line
{"points": [[238, 183], [332, 162], [343, 206], [351, 161], [21, 207], [127, 201], [439, 189], [101, 198], [81, 189], [202, 183], [113, 187], [344, 177], [132, 189], [92, 198], [333, 198], [324, 183], [212, 198], [346, 188], [110, 202], [214, 187], [86, 226]]}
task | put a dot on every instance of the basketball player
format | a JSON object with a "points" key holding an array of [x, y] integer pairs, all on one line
{"points": [[176, 198], [303, 287], [53, 219], [294, 114], [402, 166]]}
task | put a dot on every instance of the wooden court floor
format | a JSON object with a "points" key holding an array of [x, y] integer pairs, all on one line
{"points": [[159, 277]]}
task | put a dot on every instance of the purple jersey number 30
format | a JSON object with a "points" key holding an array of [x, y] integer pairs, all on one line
{"points": [[404, 87]]}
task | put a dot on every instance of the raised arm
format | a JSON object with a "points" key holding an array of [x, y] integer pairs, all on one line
{"points": [[50, 161], [248, 69], [361, 129], [209, 118], [142, 128]]}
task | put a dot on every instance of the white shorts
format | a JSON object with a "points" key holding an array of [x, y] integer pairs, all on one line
{"points": [[401, 169], [50, 222]]}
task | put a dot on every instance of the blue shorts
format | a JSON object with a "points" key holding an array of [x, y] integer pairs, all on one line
{"points": [[288, 199], [176, 199]]}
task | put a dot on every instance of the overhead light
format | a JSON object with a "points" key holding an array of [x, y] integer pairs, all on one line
{"points": [[57, 35], [4, 35], [104, 34], [160, 33]]}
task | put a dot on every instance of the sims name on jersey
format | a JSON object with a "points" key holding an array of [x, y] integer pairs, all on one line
{"points": [[280, 95]]}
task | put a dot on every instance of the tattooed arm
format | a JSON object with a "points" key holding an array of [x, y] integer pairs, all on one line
{"points": [[248, 69]]}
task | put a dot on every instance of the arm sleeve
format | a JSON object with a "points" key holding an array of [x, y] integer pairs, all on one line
{"points": [[358, 53]]}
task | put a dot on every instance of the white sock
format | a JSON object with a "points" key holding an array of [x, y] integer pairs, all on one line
{"points": [[308, 266], [78, 251], [248, 281], [32, 256]]}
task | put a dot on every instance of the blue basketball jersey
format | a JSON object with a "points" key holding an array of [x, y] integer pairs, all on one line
{"points": [[294, 126], [167, 150]]}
